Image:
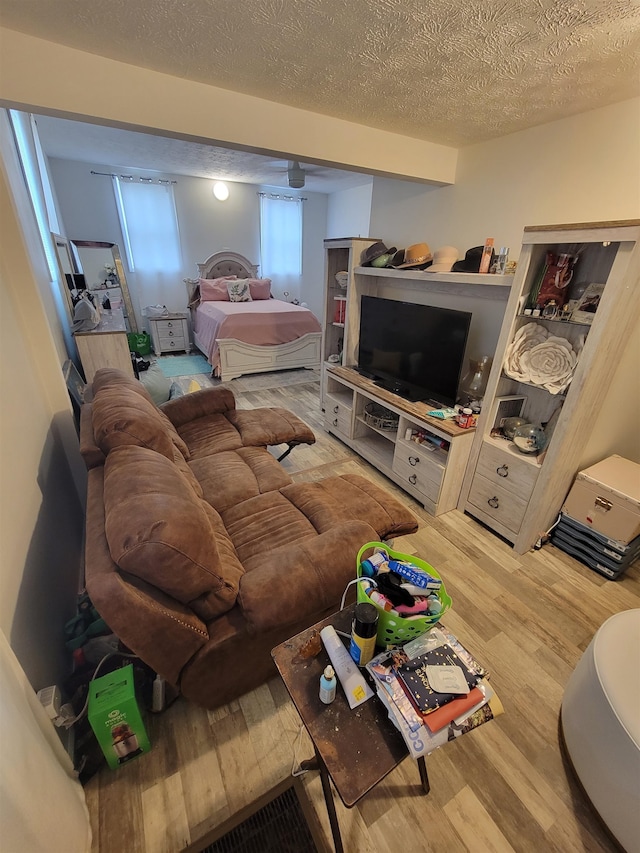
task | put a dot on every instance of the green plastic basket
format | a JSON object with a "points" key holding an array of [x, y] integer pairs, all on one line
{"points": [[393, 628]]}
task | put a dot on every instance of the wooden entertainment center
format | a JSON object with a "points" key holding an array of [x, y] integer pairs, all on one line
{"points": [[431, 474], [518, 495]]}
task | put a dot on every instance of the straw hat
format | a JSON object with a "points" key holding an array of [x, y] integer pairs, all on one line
{"points": [[443, 259], [418, 255]]}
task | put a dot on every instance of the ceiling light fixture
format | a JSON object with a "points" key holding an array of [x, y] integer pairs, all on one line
{"points": [[221, 191]]}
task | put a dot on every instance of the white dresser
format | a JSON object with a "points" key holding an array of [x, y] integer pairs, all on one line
{"points": [[169, 333]]}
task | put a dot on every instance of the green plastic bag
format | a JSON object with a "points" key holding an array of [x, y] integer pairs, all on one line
{"points": [[139, 342]]}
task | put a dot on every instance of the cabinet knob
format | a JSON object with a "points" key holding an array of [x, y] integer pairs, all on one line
{"points": [[169, 324], [336, 409], [413, 460], [413, 479], [335, 422], [494, 502], [503, 471]]}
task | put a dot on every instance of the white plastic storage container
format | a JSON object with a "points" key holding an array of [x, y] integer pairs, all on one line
{"points": [[606, 497]]}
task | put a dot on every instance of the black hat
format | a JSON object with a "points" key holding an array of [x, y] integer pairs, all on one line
{"points": [[471, 262], [376, 250], [397, 259]]}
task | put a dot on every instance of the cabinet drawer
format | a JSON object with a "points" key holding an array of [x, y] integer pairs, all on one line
{"points": [[166, 327], [172, 339], [497, 503], [420, 472], [176, 343], [337, 418], [506, 471]]}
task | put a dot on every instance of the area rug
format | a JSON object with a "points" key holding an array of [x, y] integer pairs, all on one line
{"points": [[183, 365], [278, 827]]}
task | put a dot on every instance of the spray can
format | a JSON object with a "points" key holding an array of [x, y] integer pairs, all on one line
{"points": [[328, 685], [363, 633]]}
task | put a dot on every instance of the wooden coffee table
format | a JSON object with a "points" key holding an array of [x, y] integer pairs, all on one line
{"points": [[355, 748]]}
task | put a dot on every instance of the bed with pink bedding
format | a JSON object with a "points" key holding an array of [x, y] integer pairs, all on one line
{"points": [[255, 336]]}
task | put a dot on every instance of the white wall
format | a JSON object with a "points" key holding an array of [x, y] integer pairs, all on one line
{"points": [[349, 211], [582, 169], [41, 515]]}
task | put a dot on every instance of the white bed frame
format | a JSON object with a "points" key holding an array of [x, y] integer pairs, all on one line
{"points": [[236, 357]]}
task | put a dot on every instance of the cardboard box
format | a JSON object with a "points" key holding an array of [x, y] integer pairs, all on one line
{"points": [[115, 717], [606, 497]]}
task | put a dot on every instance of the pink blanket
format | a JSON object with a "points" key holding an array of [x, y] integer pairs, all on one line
{"points": [[263, 322]]}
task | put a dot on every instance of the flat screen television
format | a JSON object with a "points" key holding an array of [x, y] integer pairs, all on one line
{"points": [[415, 351]]}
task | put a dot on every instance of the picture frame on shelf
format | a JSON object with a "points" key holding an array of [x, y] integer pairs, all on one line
{"points": [[585, 310], [505, 407]]}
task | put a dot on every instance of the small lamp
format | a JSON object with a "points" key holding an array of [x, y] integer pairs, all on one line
{"points": [[221, 191]]}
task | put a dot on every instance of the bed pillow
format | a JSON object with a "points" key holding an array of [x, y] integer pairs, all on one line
{"points": [[215, 289], [260, 288], [239, 290]]}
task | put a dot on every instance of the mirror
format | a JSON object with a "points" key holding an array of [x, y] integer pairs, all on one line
{"points": [[101, 266], [71, 279]]}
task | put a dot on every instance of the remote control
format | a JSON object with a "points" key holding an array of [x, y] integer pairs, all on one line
{"points": [[355, 687]]}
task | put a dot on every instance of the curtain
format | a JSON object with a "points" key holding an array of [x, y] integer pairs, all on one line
{"points": [[281, 244], [152, 240], [42, 805]]}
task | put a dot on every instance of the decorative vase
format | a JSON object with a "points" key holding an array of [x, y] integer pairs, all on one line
{"points": [[474, 382]]}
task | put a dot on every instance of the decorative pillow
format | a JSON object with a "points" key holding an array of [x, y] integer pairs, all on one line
{"points": [[215, 289], [260, 288], [239, 290]]}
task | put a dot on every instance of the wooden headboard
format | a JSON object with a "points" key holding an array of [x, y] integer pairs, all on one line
{"points": [[218, 265]]}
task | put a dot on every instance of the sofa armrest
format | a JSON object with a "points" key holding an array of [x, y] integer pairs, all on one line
{"points": [[304, 578], [89, 450], [199, 404]]}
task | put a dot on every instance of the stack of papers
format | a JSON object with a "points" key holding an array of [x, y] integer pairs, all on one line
{"points": [[434, 690]]}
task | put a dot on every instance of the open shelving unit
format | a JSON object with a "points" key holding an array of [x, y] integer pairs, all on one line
{"points": [[520, 495]]}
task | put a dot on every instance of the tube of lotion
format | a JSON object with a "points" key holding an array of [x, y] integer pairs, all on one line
{"points": [[355, 687]]}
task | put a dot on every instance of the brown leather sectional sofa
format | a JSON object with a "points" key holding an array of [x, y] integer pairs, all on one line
{"points": [[201, 552]]}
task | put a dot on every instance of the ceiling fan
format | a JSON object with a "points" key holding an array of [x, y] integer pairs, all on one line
{"points": [[296, 175]]}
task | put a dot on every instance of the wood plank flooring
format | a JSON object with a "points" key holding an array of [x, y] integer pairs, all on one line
{"points": [[504, 787]]}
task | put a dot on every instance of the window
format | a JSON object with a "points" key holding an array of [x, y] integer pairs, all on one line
{"points": [[152, 241], [281, 239], [150, 226]]}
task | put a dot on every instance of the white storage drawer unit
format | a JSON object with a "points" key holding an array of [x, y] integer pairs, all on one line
{"points": [[169, 333], [418, 468]]}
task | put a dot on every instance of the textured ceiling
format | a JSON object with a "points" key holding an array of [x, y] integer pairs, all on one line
{"points": [[446, 71]]}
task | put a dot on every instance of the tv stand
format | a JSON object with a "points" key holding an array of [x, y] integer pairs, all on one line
{"points": [[430, 471]]}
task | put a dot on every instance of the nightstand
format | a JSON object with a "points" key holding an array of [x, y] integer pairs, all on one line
{"points": [[169, 333]]}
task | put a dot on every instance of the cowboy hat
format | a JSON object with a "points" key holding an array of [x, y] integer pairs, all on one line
{"points": [[375, 250], [418, 255], [471, 262]]}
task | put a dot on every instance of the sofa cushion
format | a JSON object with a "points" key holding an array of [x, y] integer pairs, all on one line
{"points": [[159, 529], [263, 524], [111, 377], [233, 476], [123, 417], [273, 426], [351, 497], [209, 434], [298, 580]]}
